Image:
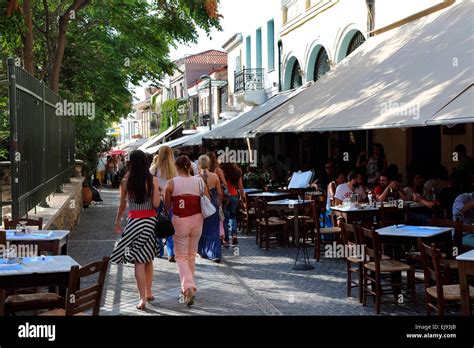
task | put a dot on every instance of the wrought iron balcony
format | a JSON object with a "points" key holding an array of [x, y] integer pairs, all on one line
{"points": [[249, 80]]}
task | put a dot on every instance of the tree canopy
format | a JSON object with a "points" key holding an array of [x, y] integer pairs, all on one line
{"points": [[94, 51]]}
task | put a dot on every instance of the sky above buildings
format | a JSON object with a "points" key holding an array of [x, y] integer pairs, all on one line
{"points": [[237, 15]]}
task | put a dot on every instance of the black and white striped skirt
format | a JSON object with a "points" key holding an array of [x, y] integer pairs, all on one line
{"points": [[138, 243]]}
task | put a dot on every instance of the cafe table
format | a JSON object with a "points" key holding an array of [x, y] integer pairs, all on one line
{"points": [[268, 196], [54, 241], [403, 235], [252, 190], [35, 271], [351, 213], [465, 266], [293, 205]]}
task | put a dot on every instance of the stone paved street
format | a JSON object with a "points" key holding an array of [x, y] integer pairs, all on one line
{"points": [[255, 282]]}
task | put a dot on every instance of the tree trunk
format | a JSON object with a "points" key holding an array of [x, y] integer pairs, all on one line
{"points": [[28, 38], [61, 42], [58, 55]]}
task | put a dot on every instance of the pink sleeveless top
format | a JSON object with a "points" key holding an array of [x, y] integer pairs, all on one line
{"points": [[186, 196]]}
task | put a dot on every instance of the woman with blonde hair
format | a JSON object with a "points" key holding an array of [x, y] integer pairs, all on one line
{"points": [[164, 169]]}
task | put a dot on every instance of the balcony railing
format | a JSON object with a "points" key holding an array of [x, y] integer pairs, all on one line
{"points": [[249, 80]]}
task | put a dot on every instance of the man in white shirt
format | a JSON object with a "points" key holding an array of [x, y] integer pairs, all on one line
{"points": [[345, 191]]}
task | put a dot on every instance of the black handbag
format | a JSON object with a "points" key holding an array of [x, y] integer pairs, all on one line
{"points": [[164, 228]]}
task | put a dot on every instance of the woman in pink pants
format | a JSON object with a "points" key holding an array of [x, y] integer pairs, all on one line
{"points": [[183, 194]]}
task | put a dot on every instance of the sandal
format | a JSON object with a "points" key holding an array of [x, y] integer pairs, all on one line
{"points": [[141, 306]]}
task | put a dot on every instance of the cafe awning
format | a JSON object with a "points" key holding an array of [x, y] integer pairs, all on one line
{"points": [[239, 126], [171, 144], [157, 139], [459, 110], [399, 79]]}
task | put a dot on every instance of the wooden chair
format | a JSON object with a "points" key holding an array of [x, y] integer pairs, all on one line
{"points": [[390, 216], [350, 240], [27, 299], [3, 239], [305, 216], [447, 247], [323, 235], [464, 230], [466, 271], [247, 215], [11, 224], [80, 300], [383, 276], [438, 293], [268, 225], [26, 302]]}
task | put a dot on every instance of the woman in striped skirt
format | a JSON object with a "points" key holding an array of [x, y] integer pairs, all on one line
{"points": [[138, 245]]}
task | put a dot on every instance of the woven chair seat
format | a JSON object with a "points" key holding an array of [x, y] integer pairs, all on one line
{"points": [[416, 255], [330, 230], [58, 312], [32, 299], [306, 218], [251, 211], [450, 292], [452, 264], [273, 221], [388, 266], [354, 259]]}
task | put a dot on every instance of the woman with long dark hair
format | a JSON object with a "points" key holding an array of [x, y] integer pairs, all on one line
{"points": [[233, 175], [182, 194], [138, 244]]}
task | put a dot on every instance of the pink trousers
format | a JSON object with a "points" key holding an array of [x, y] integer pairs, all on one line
{"points": [[188, 231]]}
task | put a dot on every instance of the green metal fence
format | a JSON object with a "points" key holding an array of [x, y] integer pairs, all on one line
{"points": [[41, 143]]}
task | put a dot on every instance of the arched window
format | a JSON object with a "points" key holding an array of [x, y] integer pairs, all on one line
{"points": [[357, 40], [322, 64], [296, 79]]}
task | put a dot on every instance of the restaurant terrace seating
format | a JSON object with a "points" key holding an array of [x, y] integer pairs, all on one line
{"points": [[416, 254], [323, 235], [80, 300], [439, 293], [350, 239], [384, 276], [269, 225], [247, 215], [11, 224]]}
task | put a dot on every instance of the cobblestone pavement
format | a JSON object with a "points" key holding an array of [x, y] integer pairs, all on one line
{"points": [[250, 281]]}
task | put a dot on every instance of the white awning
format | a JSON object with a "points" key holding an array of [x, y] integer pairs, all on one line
{"points": [[188, 140], [153, 141], [239, 126], [172, 144], [460, 110], [399, 79]]}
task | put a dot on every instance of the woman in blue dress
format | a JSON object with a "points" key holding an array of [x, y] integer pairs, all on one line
{"points": [[210, 246]]}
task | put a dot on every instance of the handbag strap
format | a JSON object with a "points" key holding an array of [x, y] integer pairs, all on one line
{"points": [[163, 209]]}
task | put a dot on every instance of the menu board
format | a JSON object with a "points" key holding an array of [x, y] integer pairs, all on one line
{"points": [[301, 180]]}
